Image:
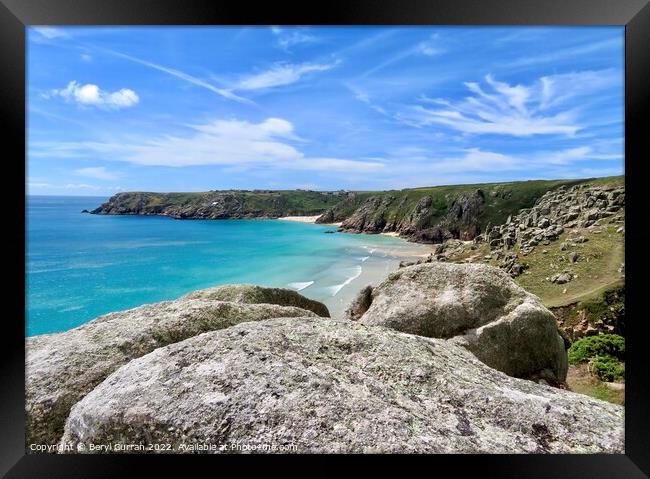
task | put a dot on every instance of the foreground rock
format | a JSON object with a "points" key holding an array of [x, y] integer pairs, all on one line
{"points": [[251, 294], [479, 306], [62, 368], [335, 386]]}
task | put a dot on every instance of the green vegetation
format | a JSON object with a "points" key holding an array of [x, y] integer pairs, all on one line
{"points": [[595, 272], [501, 201], [585, 349], [607, 368], [231, 203], [581, 381], [608, 305]]}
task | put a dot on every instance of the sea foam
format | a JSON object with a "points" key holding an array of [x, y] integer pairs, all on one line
{"points": [[299, 286], [337, 287]]}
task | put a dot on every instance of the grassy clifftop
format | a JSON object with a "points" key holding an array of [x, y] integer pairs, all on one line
{"points": [[430, 214], [435, 214], [221, 204]]}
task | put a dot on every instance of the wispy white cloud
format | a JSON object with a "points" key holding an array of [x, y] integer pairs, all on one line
{"points": [[568, 53], [477, 160], [429, 47], [83, 186], [539, 108], [556, 90], [97, 172], [91, 95], [516, 110], [364, 97], [50, 32], [38, 184], [287, 38], [279, 75], [267, 144], [226, 93]]}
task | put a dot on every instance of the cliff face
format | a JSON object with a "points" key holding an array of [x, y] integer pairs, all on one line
{"points": [[424, 215], [434, 215], [220, 204], [424, 221]]}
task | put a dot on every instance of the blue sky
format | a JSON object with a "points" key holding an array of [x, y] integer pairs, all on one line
{"points": [[369, 108]]}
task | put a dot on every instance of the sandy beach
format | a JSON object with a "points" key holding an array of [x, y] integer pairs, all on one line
{"points": [[305, 219], [300, 219]]}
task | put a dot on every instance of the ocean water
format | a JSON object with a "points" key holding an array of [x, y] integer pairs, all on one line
{"points": [[80, 266]]}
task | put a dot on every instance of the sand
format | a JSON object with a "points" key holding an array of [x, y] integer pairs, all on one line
{"points": [[306, 219], [300, 219]]}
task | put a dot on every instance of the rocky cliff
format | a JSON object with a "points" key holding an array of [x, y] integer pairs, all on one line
{"points": [[425, 215], [220, 204]]}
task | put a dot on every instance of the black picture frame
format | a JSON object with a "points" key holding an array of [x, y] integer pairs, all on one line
{"points": [[15, 15]]}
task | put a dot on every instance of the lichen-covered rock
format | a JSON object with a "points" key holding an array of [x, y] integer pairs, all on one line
{"points": [[62, 368], [479, 306], [251, 294], [334, 386]]}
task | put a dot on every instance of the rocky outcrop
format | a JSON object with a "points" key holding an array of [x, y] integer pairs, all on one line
{"points": [[579, 206], [251, 294], [603, 314], [370, 217], [62, 368], [307, 385], [425, 221], [481, 308], [462, 221], [341, 210], [221, 204]]}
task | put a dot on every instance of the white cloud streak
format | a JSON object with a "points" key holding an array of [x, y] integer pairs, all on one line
{"points": [[428, 47], [568, 53], [222, 142], [294, 36], [97, 172], [279, 75], [226, 93], [516, 110], [50, 32]]}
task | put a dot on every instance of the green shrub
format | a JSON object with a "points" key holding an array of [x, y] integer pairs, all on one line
{"points": [[587, 348], [607, 368]]}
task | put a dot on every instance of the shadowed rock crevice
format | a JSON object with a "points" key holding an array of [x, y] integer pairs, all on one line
{"points": [[251, 294]]}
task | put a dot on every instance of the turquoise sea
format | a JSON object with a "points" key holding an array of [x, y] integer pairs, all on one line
{"points": [[80, 266]]}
